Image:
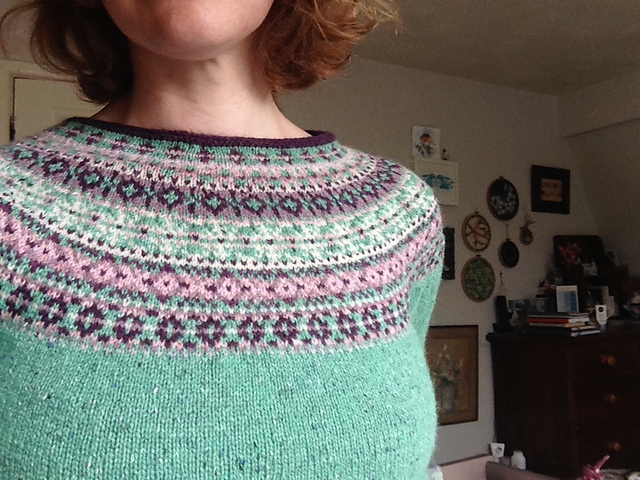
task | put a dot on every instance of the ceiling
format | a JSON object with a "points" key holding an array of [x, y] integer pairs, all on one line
{"points": [[546, 46]]}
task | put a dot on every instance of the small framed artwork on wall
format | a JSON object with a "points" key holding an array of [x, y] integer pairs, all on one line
{"points": [[550, 190], [425, 142], [442, 177]]}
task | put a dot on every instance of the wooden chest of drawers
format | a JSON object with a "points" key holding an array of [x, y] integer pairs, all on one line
{"points": [[567, 402]]}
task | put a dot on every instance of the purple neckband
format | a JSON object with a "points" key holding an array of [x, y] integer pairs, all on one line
{"points": [[317, 138]]}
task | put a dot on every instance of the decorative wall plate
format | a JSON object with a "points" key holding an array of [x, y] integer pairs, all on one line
{"points": [[509, 254], [502, 198], [478, 279], [476, 232]]}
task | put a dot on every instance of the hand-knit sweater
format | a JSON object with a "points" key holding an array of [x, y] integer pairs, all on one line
{"points": [[185, 306]]}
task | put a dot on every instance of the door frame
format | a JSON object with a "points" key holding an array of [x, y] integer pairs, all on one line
{"points": [[10, 70]]}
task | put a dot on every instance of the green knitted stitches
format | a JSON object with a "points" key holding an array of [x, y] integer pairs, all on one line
{"points": [[174, 310], [104, 416]]}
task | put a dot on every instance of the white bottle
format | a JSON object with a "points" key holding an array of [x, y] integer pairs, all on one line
{"points": [[518, 460]]}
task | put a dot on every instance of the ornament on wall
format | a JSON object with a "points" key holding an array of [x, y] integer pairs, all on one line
{"points": [[526, 235], [478, 279], [476, 232], [508, 252], [502, 198]]}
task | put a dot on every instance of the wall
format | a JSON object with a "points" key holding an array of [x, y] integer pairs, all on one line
{"points": [[489, 131], [601, 105], [602, 125], [608, 160]]}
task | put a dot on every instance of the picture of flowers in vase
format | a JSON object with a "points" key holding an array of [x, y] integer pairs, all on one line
{"points": [[447, 376], [452, 355]]}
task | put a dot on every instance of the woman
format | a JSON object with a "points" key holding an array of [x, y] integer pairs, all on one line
{"points": [[190, 285]]}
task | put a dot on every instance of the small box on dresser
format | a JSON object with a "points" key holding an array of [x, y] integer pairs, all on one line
{"points": [[566, 402]]}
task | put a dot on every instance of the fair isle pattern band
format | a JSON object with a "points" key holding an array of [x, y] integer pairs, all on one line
{"points": [[142, 240]]}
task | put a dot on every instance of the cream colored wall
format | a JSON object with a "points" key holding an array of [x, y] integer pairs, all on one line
{"points": [[489, 131], [609, 161], [602, 105], [602, 125]]}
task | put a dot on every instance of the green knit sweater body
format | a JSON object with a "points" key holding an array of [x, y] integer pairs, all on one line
{"points": [[183, 306]]}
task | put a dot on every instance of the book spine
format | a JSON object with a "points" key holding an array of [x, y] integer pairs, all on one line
{"points": [[557, 319], [558, 325]]}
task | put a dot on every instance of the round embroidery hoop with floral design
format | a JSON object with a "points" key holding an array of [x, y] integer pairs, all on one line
{"points": [[502, 198], [478, 279]]}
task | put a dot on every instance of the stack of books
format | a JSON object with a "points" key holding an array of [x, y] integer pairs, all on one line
{"points": [[560, 324]]}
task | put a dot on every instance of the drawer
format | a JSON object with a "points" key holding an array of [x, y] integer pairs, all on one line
{"points": [[619, 440], [595, 363], [617, 402]]}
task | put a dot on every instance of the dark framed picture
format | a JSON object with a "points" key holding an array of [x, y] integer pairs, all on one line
{"points": [[452, 355], [449, 266], [550, 190]]}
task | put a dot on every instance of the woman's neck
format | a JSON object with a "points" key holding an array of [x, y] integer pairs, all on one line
{"points": [[222, 96]]}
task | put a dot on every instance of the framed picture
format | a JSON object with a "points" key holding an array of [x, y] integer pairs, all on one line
{"points": [[452, 355], [425, 142], [567, 298], [442, 177], [449, 266], [550, 190], [586, 252]]}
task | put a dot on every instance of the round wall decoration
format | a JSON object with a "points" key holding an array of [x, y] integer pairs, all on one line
{"points": [[502, 198], [509, 254], [476, 232], [478, 279]]}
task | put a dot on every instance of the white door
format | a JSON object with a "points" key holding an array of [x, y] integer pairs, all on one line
{"points": [[41, 103]]}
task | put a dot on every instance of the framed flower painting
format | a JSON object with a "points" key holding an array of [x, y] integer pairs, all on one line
{"points": [[452, 355]]}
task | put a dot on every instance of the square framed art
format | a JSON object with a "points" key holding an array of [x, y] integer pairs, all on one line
{"points": [[550, 190]]}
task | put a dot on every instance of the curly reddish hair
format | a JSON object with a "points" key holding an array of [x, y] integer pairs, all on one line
{"points": [[299, 43]]}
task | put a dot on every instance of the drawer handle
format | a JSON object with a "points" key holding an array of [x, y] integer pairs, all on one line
{"points": [[607, 360], [610, 398], [614, 447]]}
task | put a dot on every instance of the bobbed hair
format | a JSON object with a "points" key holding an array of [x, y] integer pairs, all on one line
{"points": [[299, 43]]}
